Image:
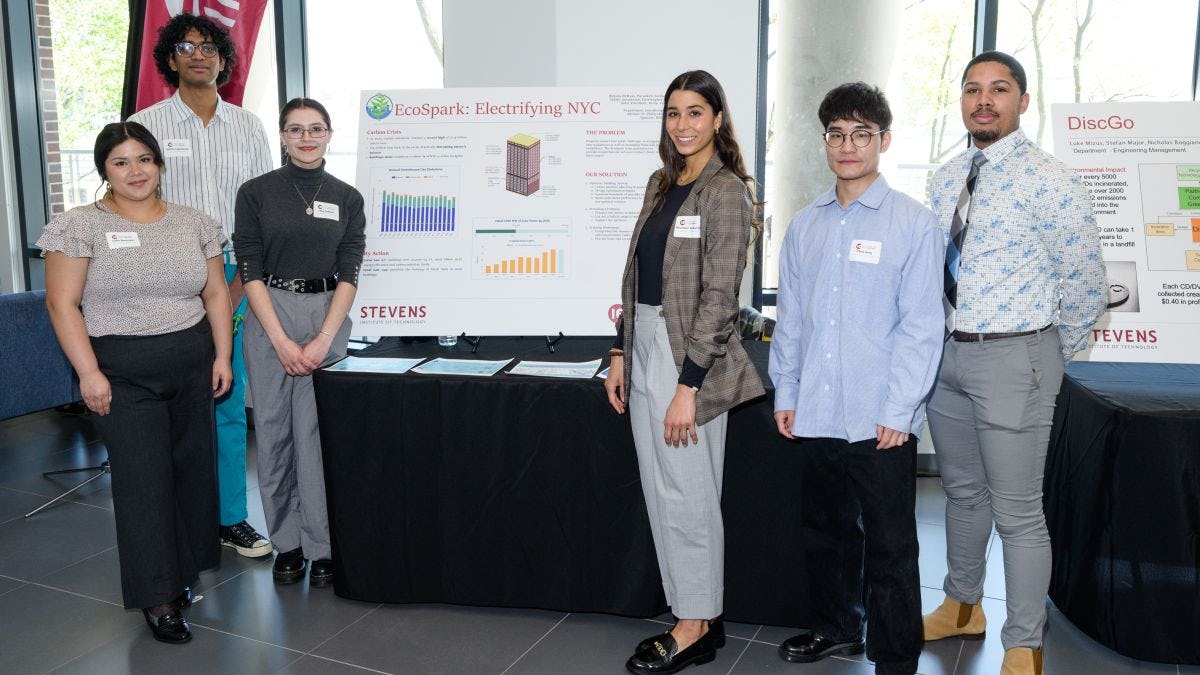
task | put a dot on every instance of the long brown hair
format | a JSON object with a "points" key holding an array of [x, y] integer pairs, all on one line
{"points": [[703, 83]]}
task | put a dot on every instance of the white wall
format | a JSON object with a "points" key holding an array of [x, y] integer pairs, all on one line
{"points": [[618, 42]]}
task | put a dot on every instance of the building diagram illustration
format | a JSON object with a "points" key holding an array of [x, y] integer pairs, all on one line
{"points": [[523, 165]]}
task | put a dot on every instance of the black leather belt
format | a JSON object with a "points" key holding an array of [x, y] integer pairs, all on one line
{"points": [[301, 285], [960, 336]]}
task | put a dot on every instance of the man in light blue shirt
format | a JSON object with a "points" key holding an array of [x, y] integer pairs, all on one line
{"points": [[1024, 283], [856, 351]]}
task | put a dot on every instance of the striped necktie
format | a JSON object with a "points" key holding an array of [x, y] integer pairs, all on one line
{"points": [[958, 234]]}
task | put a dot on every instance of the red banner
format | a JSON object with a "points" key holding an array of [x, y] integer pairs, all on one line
{"points": [[241, 18]]}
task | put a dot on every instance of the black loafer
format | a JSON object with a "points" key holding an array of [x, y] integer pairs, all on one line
{"points": [[661, 655], [716, 628], [320, 573], [185, 598], [289, 566], [171, 627], [812, 646]]}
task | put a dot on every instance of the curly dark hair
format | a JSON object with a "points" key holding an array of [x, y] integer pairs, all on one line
{"points": [[177, 29]]}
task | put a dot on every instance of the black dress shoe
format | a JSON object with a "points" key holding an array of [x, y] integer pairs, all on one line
{"points": [[812, 646], [170, 627], [289, 566], [320, 573], [661, 655], [716, 628], [185, 598]]}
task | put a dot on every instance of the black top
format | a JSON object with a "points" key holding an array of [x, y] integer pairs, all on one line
{"points": [[273, 233], [651, 249], [652, 245]]}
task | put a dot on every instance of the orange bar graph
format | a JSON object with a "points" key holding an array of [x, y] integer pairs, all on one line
{"points": [[544, 262]]}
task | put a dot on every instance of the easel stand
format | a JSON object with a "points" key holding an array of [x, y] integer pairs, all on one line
{"points": [[471, 340]]}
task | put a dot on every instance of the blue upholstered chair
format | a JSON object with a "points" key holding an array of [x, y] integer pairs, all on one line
{"points": [[34, 372]]}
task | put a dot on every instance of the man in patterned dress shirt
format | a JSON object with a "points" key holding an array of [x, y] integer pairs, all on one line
{"points": [[1029, 286]]}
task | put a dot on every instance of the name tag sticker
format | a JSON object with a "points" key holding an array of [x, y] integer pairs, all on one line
{"points": [[177, 147], [687, 227], [122, 239], [325, 210], [864, 250]]}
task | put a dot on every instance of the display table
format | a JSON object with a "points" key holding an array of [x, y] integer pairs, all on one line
{"points": [[1123, 507], [523, 492]]}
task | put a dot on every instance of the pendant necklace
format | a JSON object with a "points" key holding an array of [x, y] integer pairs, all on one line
{"points": [[308, 205]]}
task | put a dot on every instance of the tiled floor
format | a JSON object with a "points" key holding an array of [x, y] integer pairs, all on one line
{"points": [[60, 605]]}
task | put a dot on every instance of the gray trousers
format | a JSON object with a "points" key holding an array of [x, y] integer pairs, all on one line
{"points": [[682, 485], [990, 418], [291, 479]]}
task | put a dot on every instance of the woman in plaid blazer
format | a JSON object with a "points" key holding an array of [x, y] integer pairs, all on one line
{"points": [[686, 367]]}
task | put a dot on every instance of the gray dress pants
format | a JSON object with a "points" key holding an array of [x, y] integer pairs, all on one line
{"points": [[682, 485], [990, 418], [291, 478]]}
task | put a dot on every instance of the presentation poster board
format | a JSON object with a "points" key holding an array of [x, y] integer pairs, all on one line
{"points": [[1141, 162], [500, 211]]}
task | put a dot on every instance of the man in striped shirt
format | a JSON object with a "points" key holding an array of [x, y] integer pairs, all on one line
{"points": [[211, 147]]}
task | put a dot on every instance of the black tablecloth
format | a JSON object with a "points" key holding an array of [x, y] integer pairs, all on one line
{"points": [[523, 492], [1123, 507]]}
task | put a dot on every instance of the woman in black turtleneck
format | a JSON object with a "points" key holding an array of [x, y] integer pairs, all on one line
{"points": [[299, 243]]}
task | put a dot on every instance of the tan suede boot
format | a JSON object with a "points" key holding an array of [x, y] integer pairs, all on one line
{"points": [[1022, 661], [954, 619]]}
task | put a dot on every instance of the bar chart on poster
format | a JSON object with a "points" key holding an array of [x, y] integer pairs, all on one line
{"points": [[1141, 162], [500, 211], [414, 200]]}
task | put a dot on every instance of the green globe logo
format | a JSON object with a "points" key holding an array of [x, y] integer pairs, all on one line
{"points": [[379, 107]]}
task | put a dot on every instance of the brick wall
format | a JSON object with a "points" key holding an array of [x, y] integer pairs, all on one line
{"points": [[45, 50]]}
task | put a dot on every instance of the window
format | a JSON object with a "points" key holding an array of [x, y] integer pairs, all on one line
{"points": [[923, 91], [81, 55], [1072, 50], [1098, 50]]}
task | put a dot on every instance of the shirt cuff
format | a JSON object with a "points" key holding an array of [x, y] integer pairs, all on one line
{"points": [[692, 375]]}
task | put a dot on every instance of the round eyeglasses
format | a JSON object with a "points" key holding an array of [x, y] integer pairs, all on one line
{"points": [[861, 138], [313, 132], [185, 48]]}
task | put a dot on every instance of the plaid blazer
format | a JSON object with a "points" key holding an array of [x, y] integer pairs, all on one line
{"points": [[700, 283]]}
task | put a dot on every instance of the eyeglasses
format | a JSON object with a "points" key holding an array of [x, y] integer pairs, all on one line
{"points": [[861, 138], [313, 132], [185, 48]]}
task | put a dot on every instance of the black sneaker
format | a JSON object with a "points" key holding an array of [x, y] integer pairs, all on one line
{"points": [[245, 540]]}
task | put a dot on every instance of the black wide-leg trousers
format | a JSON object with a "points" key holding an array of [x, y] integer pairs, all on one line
{"points": [[160, 440]]}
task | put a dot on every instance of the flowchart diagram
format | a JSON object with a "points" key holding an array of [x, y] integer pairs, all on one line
{"points": [[1171, 213]]}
